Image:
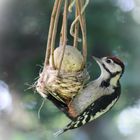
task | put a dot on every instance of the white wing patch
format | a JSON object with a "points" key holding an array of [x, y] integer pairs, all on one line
{"points": [[85, 117]]}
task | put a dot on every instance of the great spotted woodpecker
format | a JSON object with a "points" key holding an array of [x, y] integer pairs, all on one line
{"points": [[106, 88]]}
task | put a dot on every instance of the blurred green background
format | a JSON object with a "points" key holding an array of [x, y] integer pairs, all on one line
{"points": [[113, 28]]}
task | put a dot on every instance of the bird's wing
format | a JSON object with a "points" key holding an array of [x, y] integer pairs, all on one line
{"points": [[96, 109]]}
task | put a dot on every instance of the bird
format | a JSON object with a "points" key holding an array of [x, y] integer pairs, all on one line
{"points": [[107, 90]]}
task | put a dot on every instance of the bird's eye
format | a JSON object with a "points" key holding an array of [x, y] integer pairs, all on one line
{"points": [[109, 61]]}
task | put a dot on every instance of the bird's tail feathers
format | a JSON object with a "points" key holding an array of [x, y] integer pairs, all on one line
{"points": [[59, 132]]}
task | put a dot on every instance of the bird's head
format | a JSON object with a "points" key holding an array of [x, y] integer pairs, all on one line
{"points": [[111, 67]]}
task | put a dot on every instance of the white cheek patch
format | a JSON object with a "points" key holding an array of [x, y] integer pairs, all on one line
{"points": [[118, 67], [113, 67]]}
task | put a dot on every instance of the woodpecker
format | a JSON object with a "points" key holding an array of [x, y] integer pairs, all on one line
{"points": [[107, 89]]}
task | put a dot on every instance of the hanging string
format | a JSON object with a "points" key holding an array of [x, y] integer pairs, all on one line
{"points": [[48, 50], [77, 18], [76, 31], [83, 29], [71, 5], [54, 32], [64, 33], [42, 104]]}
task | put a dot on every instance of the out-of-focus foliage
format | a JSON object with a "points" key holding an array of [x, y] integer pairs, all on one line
{"points": [[113, 28]]}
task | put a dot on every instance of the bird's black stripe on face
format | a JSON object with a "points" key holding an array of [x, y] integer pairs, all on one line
{"points": [[106, 83], [107, 69], [111, 74]]}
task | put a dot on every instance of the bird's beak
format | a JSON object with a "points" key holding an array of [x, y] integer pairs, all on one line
{"points": [[98, 60], [100, 63]]}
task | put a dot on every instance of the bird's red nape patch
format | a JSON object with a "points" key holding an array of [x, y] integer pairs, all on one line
{"points": [[115, 59]]}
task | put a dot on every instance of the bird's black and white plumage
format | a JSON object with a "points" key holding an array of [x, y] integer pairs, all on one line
{"points": [[106, 90]]}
